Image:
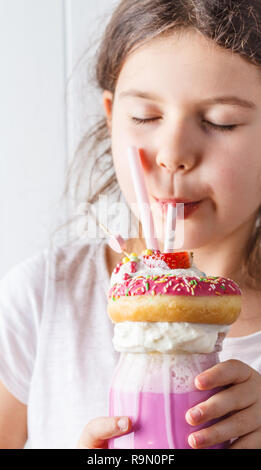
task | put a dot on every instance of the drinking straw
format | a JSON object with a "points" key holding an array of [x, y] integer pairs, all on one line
{"points": [[170, 232], [142, 197]]}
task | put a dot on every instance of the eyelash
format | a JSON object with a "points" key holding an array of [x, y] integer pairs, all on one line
{"points": [[217, 127]]}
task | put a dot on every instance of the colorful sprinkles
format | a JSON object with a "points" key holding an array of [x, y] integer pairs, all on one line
{"points": [[174, 285]]}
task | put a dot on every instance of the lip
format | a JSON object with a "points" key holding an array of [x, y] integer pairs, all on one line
{"points": [[190, 206]]}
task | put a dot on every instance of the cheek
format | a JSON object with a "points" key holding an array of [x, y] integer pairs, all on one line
{"points": [[234, 181], [221, 174], [229, 163], [228, 178]]}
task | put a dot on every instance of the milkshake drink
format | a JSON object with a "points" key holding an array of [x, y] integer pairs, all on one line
{"points": [[170, 320], [155, 391]]}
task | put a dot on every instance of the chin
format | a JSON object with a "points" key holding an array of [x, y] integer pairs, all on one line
{"points": [[195, 238], [190, 234]]}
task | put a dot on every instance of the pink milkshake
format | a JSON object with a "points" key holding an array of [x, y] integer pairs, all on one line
{"points": [[157, 404], [150, 431]]}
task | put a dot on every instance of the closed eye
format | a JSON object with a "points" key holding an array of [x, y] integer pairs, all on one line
{"points": [[220, 127], [144, 121]]}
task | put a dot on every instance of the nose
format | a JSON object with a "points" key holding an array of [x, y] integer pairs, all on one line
{"points": [[178, 150]]}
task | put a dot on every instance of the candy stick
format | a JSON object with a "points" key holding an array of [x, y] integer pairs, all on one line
{"points": [[170, 232], [142, 197], [116, 242]]}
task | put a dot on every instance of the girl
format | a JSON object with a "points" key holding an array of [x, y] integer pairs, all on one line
{"points": [[181, 81]]}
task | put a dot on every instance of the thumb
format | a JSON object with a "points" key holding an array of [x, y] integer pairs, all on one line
{"points": [[99, 430]]}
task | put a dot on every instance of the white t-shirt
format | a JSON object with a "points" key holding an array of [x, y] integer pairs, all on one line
{"points": [[56, 352]]}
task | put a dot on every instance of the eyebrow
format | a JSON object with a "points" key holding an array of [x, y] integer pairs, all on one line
{"points": [[233, 100]]}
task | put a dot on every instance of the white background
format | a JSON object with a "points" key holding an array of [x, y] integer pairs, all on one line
{"points": [[46, 102]]}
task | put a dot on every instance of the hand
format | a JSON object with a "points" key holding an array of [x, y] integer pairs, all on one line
{"points": [[242, 400], [99, 430]]}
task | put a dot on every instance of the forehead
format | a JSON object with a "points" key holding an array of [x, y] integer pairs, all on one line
{"points": [[187, 62]]}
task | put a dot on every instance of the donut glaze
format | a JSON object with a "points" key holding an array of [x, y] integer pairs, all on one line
{"points": [[172, 285]]}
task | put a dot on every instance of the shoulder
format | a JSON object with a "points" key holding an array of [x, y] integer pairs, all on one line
{"points": [[68, 261], [24, 276], [28, 283]]}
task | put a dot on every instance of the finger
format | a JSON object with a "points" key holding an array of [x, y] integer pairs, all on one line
{"points": [[99, 430], [234, 398], [237, 425], [223, 373], [249, 441]]}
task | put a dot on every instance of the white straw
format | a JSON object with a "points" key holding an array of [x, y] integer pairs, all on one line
{"points": [[170, 231]]}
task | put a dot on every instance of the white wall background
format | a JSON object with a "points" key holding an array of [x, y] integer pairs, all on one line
{"points": [[42, 115]]}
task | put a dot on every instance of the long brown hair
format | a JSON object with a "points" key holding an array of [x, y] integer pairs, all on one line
{"points": [[232, 24]]}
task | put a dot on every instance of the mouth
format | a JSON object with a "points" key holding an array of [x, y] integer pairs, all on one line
{"points": [[190, 206]]}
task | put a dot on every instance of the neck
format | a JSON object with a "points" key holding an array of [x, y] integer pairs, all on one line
{"points": [[226, 257], [220, 260]]}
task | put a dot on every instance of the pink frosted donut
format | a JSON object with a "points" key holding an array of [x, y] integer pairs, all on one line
{"points": [[169, 298]]}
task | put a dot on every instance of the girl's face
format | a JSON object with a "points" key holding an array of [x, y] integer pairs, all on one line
{"points": [[194, 111]]}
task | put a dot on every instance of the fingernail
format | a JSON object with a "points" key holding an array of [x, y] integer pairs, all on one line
{"points": [[195, 414], [202, 380], [123, 423], [196, 440]]}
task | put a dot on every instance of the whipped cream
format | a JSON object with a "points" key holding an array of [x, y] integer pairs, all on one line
{"points": [[167, 337], [160, 268]]}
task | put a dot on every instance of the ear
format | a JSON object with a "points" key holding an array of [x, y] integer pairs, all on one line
{"points": [[107, 99]]}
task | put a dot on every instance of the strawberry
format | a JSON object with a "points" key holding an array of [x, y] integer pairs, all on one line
{"points": [[178, 260]]}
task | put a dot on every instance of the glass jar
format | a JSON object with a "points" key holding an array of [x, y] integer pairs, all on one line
{"points": [[155, 390]]}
